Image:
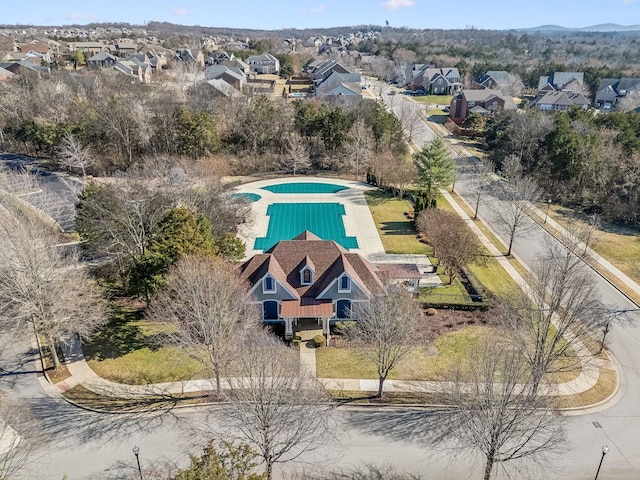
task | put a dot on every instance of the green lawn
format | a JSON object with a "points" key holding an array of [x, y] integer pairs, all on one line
{"points": [[395, 230], [332, 362], [127, 350], [434, 99], [619, 245]]}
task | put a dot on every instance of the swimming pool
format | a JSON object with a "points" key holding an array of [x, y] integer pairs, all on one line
{"points": [[287, 220], [305, 187], [250, 197]]}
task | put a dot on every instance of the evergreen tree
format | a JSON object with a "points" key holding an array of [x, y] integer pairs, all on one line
{"points": [[436, 168]]}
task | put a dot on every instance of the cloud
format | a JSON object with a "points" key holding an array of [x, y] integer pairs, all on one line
{"points": [[180, 11], [396, 4], [80, 16], [628, 2], [318, 9]]}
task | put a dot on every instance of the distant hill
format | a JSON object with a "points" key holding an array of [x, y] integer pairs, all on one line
{"points": [[603, 27]]}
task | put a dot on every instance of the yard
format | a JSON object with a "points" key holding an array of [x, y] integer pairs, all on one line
{"points": [[395, 229], [434, 99], [421, 364], [128, 351]]}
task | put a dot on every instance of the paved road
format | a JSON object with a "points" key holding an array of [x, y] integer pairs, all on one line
{"points": [[619, 425]]}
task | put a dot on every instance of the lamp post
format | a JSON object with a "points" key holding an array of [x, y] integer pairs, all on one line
{"points": [[136, 452], [546, 213], [605, 449]]}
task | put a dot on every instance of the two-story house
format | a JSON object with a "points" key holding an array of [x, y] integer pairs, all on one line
{"points": [[436, 81], [493, 80], [561, 81], [265, 63], [308, 278], [483, 101]]}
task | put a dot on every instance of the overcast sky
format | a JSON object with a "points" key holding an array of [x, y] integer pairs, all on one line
{"points": [[276, 14]]}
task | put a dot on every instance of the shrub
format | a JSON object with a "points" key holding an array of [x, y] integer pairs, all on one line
{"points": [[431, 312], [318, 341]]}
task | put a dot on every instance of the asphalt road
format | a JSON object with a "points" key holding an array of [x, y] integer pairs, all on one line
{"points": [[617, 425]]}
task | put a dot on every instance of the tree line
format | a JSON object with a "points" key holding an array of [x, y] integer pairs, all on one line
{"points": [[99, 123], [584, 161]]}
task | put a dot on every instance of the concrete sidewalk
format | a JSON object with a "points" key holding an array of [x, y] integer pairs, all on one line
{"points": [[82, 374]]}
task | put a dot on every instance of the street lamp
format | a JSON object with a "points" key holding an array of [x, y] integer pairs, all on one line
{"points": [[546, 213], [136, 452], [605, 449]]}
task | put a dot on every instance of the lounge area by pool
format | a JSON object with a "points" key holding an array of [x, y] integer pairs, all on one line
{"points": [[304, 187], [287, 220]]}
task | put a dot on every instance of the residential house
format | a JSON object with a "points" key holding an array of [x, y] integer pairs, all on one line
{"points": [[124, 48], [237, 63], [186, 55], [437, 81], [24, 67], [90, 48], [221, 87], [232, 76], [320, 72], [134, 68], [341, 88], [265, 63], [493, 80], [308, 278], [483, 101], [562, 100], [561, 81], [612, 90], [101, 60], [35, 46]]}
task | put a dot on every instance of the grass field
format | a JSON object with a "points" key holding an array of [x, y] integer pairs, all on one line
{"points": [[128, 351], [395, 230], [619, 245], [332, 362], [434, 99]]}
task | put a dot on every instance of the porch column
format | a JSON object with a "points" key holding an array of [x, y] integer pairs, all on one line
{"points": [[288, 328], [325, 328]]}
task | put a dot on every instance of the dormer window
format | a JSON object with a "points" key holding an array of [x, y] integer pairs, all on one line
{"points": [[306, 276], [344, 284], [268, 285]]}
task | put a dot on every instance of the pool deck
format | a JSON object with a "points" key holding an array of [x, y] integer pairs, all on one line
{"points": [[358, 221]]}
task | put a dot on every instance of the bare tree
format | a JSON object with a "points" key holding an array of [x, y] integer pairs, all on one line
{"points": [[496, 414], [409, 114], [72, 154], [559, 309], [516, 195], [630, 101], [42, 285], [201, 302], [297, 156], [481, 182], [20, 436], [453, 242], [401, 176], [358, 148], [512, 85], [385, 327], [277, 407]]}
